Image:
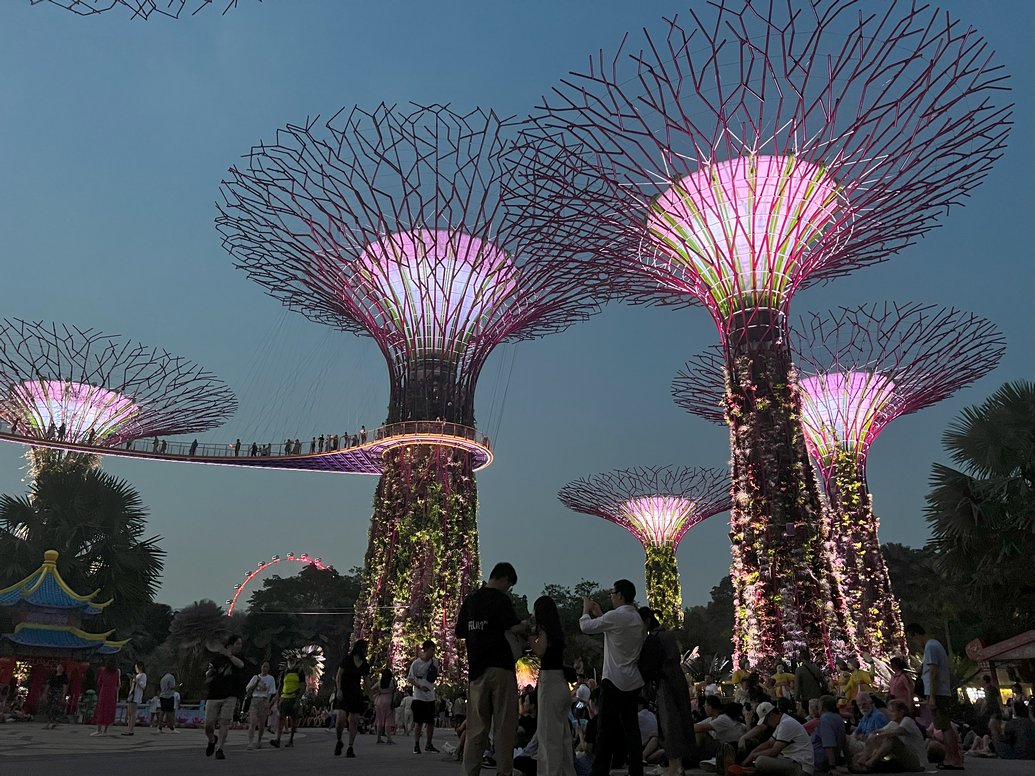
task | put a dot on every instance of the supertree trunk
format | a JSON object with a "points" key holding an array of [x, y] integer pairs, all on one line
{"points": [[662, 576], [854, 529], [787, 595], [422, 557]]}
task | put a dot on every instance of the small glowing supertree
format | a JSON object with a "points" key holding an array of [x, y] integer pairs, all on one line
{"points": [[139, 9], [82, 387], [752, 152], [860, 369], [657, 505], [425, 230]]}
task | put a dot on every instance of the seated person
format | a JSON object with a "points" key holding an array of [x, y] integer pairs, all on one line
{"points": [[815, 711], [717, 728], [1017, 739], [829, 741], [527, 717], [788, 752], [753, 736], [587, 736], [859, 679], [648, 722], [871, 719], [898, 747]]}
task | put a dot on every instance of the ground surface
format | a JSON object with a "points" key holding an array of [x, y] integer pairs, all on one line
{"points": [[26, 749]]}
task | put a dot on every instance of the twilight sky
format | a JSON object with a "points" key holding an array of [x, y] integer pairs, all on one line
{"points": [[115, 136]]}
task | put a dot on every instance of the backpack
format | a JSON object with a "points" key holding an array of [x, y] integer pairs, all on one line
{"points": [[652, 655], [432, 673]]}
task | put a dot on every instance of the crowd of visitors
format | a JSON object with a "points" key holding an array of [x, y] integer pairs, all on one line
{"points": [[797, 719]]}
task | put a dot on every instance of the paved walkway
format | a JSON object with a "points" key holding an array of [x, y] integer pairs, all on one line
{"points": [[26, 749]]}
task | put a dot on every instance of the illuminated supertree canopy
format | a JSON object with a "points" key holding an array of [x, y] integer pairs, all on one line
{"points": [[657, 505], [427, 231], [860, 368], [79, 386], [753, 152], [139, 9]]}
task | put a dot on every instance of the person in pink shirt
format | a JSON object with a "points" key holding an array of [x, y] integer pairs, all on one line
{"points": [[901, 685]]}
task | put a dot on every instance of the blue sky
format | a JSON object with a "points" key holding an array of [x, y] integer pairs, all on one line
{"points": [[115, 136]]}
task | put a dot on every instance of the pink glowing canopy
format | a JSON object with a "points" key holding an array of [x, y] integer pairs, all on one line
{"points": [[78, 407], [737, 231], [657, 505], [437, 288], [844, 411], [660, 520]]}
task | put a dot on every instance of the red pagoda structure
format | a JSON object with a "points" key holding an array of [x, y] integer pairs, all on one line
{"points": [[48, 618]]}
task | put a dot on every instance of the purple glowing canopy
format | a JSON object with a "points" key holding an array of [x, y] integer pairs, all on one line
{"points": [[86, 412], [439, 287], [657, 505], [105, 390], [860, 368], [758, 150], [739, 233], [843, 410], [426, 230], [863, 367]]}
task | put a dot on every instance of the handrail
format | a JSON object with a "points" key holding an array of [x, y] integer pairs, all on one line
{"points": [[315, 450]]}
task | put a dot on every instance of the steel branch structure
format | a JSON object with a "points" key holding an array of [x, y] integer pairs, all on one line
{"points": [[862, 368], [751, 152], [79, 386], [427, 231], [657, 505], [139, 9]]}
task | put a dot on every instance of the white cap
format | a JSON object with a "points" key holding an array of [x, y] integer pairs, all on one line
{"points": [[583, 693], [764, 709]]}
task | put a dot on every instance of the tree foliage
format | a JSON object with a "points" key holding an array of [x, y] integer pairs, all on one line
{"points": [[312, 607], [97, 523], [982, 515]]}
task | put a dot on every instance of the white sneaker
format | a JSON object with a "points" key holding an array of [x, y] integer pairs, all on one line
{"points": [[251, 746], [175, 730], [707, 765]]}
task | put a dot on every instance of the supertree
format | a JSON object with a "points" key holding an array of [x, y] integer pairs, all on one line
{"points": [[139, 9], [426, 231], [860, 368], [657, 505], [84, 388], [755, 151]]}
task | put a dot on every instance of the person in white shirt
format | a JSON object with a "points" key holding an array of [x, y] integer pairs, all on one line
{"points": [[167, 696], [263, 688], [718, 728], [710, 687], [789, 752], [620, 680], [422, 676], [135, 697]]}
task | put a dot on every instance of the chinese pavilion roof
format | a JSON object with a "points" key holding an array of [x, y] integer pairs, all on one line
{"points": [[46, 588], [31, 634]]}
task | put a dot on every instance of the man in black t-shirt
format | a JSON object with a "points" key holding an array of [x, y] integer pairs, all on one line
{"points": [[485, 618], [225, 679]]}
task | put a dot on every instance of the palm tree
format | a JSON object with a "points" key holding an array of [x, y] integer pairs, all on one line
{"points": [[194, 630], [97, 523], [982, 516]]}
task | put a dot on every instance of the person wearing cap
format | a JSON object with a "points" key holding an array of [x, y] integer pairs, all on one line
{"points": [[788, 752]]}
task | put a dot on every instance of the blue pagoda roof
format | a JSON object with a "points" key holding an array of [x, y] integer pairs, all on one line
{"points": [[29, 634], [46, 587]]}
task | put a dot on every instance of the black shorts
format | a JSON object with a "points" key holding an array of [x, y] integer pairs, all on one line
{"points": [[353, 703], [423, 712], [167, 704], [288, 707]]}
